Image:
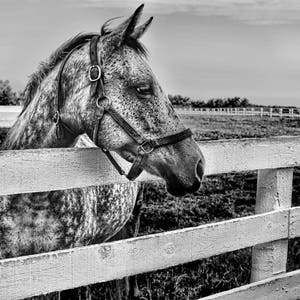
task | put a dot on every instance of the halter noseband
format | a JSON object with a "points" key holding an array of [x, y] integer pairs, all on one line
{"points": [[145, 146]]}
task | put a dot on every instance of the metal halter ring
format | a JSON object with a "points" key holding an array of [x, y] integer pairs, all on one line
{"points": [[94, 67], [56, 117], [146, 147], [100, 100]]}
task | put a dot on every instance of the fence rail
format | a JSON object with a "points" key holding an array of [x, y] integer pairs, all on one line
{"points": [[59, 270], [268, 231], [284, 286], [24, 171], [243, 111]]}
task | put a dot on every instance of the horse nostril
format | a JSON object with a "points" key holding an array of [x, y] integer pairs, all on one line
{"points": [[200, 169]]}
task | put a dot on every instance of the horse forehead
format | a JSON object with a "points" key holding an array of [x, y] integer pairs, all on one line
{"points": [[131, 65]]}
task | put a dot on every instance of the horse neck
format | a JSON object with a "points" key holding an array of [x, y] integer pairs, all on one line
{"points": [[34, 127]]}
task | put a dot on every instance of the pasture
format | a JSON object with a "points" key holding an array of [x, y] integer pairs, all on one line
{"points": [[222, 197]]}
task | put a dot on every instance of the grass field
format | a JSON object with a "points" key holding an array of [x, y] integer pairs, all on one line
{"points": [[221, 197]]}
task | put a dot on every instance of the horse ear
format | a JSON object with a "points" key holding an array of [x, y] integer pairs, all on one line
{"points": [[132, 21], [119, 35], [140, 30]]}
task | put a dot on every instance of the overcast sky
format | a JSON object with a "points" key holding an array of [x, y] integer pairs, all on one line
{"points": [[198, 48]]}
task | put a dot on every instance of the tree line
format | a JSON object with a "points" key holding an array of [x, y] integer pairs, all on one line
{"points": [[181, 101]]}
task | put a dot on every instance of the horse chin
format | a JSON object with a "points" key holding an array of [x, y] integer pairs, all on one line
{"points": [[175, 190], [178, 189]]}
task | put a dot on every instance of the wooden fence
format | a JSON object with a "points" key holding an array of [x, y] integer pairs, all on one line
{"points": [[281, 112], [268, 231], [8, 114]]}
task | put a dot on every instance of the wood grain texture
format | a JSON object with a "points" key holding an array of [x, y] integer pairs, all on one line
{"points": [[37, 274], [281, 287], [274, 192], [250, 154], [23, 171], [294, 222]]}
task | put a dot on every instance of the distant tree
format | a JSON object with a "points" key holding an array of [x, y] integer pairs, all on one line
{"points": [[197, 103], [245, 103], [234, 102], [214, 102], [7, 96], [210, 103], [179, 100]]}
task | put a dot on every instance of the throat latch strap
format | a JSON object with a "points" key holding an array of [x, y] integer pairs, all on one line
{"points": [[148, 145]]}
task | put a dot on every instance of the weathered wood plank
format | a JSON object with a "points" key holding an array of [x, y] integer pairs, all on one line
{"points": [[24, 171], [294, 222], [284, 286], [274, 192], [251, 154], [33, 275]]}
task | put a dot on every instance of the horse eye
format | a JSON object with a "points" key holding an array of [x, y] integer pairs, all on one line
{"points": [[145, 90]]}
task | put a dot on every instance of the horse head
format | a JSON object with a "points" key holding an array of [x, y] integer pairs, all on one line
{"points": [[102, 85], [132, 90]]}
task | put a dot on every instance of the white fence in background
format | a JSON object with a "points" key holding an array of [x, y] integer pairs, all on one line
{"points": [[244, 111], [8, 114], [268, 231]]}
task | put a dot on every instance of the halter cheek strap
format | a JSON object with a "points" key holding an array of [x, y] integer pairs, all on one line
{"points": [[145, 146]]}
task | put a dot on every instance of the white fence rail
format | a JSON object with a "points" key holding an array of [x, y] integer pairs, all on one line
{"points": [[268, 231], [23, 171], [42, 273], [243, 111]]}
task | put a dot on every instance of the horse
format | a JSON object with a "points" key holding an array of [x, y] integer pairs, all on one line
{"points": [[101, 85]]}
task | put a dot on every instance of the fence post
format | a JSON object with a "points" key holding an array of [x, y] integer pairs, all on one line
{"points": [[280, 112], [271, 112], [261, 111], [274, 192]]}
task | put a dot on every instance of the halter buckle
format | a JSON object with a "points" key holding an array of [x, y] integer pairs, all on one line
{"points": [[56, 117], [147, 147], [92, 72]]}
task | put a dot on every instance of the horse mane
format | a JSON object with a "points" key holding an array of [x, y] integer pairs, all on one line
{"points": [[46, 67], [60, 53]]}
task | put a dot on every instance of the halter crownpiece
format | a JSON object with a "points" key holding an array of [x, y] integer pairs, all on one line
{"points": [[145, 146]]}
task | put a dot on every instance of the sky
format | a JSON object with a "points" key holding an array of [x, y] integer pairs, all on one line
{"points": [[197, 48]]}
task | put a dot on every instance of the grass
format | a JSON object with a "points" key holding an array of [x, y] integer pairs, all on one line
{"points": [[222, 197]]}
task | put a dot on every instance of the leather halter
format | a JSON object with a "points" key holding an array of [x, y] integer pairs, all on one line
{"points": [[145, 146]]}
